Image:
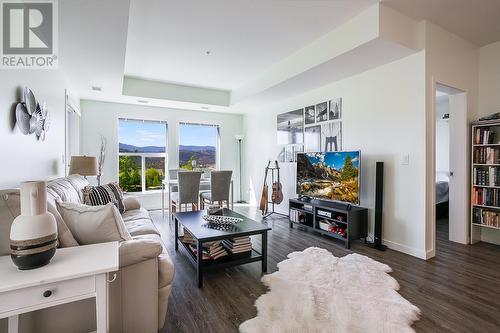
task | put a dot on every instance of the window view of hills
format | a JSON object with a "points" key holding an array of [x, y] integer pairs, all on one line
{"points": [[203, 157]]}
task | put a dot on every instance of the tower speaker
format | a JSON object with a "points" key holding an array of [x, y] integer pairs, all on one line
{"points": [[379, 206]]}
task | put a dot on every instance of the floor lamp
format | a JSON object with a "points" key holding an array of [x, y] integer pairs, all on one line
{"points": [[240, 138]]}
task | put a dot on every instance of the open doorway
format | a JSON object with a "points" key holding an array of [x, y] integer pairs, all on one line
{"points": [[451, 168]]}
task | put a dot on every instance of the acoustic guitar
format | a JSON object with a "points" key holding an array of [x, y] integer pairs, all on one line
{"points": [[265, 190], [277, 194]]}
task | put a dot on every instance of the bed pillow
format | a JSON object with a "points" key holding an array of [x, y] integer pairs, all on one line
{"points": [[103, 194], [93, 224]]}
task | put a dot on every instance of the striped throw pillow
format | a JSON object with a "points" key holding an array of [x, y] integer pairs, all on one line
{"points": [[103, 194]]}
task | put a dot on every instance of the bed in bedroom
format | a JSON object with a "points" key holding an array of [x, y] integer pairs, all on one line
{"points": [[442, 193]]}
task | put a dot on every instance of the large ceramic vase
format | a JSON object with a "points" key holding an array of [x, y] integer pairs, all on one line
{"points": [[33, 234]]}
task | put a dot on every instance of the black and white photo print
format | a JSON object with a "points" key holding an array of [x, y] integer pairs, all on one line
{"points": [[335, 109], [321, 112], [312, 139], [331, 136], [291, 127], [309, 115]]}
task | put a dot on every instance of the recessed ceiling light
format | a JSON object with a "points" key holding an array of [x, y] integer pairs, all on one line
{"points": [[96, 88], [143, 101], [205, 108]]}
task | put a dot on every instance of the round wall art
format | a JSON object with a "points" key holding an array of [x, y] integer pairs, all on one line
{"points": [[32, 116]]}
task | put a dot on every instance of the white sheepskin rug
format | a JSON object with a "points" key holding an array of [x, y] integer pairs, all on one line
{"points": [[313, 291]]}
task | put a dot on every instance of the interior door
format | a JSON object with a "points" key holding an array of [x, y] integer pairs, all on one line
{"points": [[459, 175]]}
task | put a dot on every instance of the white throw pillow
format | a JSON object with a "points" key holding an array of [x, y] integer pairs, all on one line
{"points": [[93, 224]]}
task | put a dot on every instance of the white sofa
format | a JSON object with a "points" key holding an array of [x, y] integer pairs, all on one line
{"points": [[139, 295]]}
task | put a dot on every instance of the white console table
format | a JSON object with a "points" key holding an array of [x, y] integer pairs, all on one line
{"points": [[74, 273]]}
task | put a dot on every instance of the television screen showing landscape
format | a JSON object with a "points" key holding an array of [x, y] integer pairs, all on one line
{"points": [[331, 175]]}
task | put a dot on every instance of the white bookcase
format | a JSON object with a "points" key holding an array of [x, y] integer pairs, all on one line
{"points": [[485, 177]]}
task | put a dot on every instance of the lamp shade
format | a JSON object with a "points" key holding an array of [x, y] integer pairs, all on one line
{"points": [[83, 165], [239, 136]]}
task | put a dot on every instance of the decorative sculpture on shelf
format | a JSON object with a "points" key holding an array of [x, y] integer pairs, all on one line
{"points": [[102, 157], [31, 116]]}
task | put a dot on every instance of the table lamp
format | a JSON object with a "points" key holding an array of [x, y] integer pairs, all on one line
{"points": [[83, 165]]}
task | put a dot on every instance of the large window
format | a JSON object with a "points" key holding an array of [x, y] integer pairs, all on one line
{"points": [[142, 154], [198, 145]]}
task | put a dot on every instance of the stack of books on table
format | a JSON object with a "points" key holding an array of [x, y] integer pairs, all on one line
{"points": [[188, 238], [211, 250], [238, 245]]}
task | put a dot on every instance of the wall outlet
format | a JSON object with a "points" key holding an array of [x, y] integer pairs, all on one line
{"points": [[405, 159]]}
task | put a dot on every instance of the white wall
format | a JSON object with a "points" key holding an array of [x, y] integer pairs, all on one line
{"points": [[384, 117], [489, 79], [102, 118], [442, 135], [489, 102], [23, 156]]}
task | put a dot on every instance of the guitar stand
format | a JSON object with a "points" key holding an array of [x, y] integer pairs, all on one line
{"points": [[267, 214]]}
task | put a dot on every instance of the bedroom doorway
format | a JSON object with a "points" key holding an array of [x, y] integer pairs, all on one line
{"points": [[451, 156]]}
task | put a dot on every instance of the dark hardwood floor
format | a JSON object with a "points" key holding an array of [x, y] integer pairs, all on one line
{"points": [[457, 291]]}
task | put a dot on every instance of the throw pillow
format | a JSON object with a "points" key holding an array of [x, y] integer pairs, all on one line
{"points": [[103, 194], [93, 224], [131, 203]]}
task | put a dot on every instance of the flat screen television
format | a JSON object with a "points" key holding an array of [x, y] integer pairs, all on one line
{"points": [[331, 175]]}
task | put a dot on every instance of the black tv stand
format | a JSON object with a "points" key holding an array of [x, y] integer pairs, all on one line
{"points": [[335, 219]]}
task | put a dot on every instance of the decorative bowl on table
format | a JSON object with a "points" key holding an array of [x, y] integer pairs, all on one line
{"points": [[214, 210], [220, 222]]}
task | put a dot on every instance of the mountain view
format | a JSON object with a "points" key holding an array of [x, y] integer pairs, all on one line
{"points": [[126, 148], [331, 176], [203, 155]]}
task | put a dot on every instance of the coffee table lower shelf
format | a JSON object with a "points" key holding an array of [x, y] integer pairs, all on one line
{"points": [[193, 221], [223, 262]]}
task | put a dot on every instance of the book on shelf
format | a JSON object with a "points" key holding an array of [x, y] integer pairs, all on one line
{"points": [[486, 217], [486, 176], [486, 155], [243, 245], [486, 197], [209, 252], [484, 136]]}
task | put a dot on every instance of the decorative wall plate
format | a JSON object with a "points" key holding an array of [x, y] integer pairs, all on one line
{"points": [[22, 118], [29, 100], [31, 116]]}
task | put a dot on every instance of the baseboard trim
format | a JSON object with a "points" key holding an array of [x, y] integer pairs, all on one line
{"points": [[421, 254]]}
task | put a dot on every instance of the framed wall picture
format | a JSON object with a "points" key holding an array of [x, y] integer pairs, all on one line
{"points": [[331, 136], [321, 112], [312, 139], [291, 127], [309, 115], [335, 109]]}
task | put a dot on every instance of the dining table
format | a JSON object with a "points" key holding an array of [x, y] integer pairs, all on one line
{"points": [[172, 183]]}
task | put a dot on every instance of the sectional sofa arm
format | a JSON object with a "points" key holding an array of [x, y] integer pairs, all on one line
{"points": [[138, 250]]}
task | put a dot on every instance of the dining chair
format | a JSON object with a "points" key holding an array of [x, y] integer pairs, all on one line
{"points": [[173, 175], [189, 187], [220, 183]]}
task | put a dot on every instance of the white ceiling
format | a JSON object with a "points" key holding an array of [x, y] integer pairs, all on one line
{"points": [[167, 40], [478, 21]]}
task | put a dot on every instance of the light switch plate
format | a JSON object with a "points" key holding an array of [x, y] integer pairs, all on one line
{"points": [[405, 159]]}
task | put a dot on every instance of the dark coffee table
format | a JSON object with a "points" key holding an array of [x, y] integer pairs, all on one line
{"points": [[193, 222]]}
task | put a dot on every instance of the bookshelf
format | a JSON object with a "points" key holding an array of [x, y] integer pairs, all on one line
{"points": [[485, 177]]}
